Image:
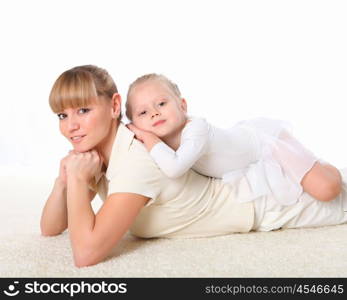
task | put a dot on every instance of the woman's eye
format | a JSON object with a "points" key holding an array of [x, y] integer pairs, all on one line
{"points": [[61, 116], [84, 110]]}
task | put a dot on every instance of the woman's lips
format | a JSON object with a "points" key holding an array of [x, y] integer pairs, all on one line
{"points": [[159, 123], [77, 139]]}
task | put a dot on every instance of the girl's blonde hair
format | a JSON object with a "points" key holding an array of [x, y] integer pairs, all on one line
{"points": [[80, 86], [148, 77]]}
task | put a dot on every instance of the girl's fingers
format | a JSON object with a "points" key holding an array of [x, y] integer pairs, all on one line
{"points": [[132, 127]]}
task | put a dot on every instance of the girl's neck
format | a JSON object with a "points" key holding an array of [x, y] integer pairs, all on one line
{"points": [[174, 139]]}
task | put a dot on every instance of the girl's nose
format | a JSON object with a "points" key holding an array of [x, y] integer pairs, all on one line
{"points": [[155, 113]]}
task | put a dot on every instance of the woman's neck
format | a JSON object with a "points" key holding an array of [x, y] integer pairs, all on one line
{"points": [[105, 147]]}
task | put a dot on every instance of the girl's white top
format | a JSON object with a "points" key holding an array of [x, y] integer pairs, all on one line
{"points": [[263, 150]]}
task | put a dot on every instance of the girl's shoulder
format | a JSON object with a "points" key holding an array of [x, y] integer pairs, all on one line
{"points": [[196, 126], [196, 121]]}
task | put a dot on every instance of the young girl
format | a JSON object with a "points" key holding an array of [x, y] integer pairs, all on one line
{"points": [[263, 150]]}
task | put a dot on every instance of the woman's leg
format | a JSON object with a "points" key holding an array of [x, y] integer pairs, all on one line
{"points": [[307, 212], [323, 182]]}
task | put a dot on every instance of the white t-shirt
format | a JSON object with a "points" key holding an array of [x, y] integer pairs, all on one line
{"points": [[192, 205]]}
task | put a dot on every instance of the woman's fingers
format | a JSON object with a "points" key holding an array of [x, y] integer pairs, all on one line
{"points": [[73, 151], [87, 157]]}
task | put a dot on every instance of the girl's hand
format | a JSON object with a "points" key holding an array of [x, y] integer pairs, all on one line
{"points": [[83, 166], [140, 134], [146, 137]]}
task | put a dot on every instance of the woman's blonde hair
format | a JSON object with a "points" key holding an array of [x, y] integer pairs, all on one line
{"points": [[148, 77], [80, 86]]}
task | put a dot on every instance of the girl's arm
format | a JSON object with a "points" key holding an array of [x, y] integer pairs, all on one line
{"points": [[149, 139], [175, 163]]}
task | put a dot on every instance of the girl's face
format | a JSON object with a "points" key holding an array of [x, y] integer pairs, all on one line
{"points": [[157, 109], [88, 127]]}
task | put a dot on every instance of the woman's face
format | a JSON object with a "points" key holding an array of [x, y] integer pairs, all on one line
{"points": [[87, 127]]}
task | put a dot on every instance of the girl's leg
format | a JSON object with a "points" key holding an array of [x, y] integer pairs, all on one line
{"points": [[323, 182]]}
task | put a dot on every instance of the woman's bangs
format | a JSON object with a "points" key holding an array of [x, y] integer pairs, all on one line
{"points": [[72, 92]]}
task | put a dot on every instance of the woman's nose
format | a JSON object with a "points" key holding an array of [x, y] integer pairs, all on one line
{"points": [[73, 124]]}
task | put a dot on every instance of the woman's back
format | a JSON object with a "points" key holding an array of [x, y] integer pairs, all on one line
{"points": [[189, 206]]}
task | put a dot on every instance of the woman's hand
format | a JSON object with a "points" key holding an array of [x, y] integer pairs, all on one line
{"points": [[62, 169], [83, 166], [146, 137]]}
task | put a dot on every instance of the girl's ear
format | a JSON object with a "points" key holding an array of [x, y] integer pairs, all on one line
{"points": [[184, 105], [116, 105]]}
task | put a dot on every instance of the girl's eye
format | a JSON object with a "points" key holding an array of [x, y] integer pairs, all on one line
{"points": [[162, 103], [61, 116], [84, 110], [142, 113]]}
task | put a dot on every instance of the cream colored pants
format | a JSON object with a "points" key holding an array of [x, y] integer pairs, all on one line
{"points": [[307, 212]]}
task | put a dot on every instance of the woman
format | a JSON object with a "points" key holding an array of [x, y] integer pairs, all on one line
{"points": [[137, 196]]}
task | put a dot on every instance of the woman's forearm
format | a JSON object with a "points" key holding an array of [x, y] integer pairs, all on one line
{"points": [[81, 216], [54, 214]]}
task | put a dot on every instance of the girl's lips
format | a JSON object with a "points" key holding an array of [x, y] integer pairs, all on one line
{"points": [[159, 123]]}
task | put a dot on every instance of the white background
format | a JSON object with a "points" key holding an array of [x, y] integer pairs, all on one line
{"points": [[232, 60]]}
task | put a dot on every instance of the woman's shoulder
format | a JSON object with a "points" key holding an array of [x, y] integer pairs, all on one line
{"points": [[135, 166], [138, 150], [138, 154], [129, 155]]}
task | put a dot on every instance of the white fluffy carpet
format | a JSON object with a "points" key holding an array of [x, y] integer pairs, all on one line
{"points": [[314, 252]]}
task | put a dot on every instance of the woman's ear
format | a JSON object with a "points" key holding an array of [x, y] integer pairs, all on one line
{"points": [[116, 105], [184, 105]]}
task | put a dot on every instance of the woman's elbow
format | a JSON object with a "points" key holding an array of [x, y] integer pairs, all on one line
{"points": [[81, 262], [86, 258], [47, 232]]}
